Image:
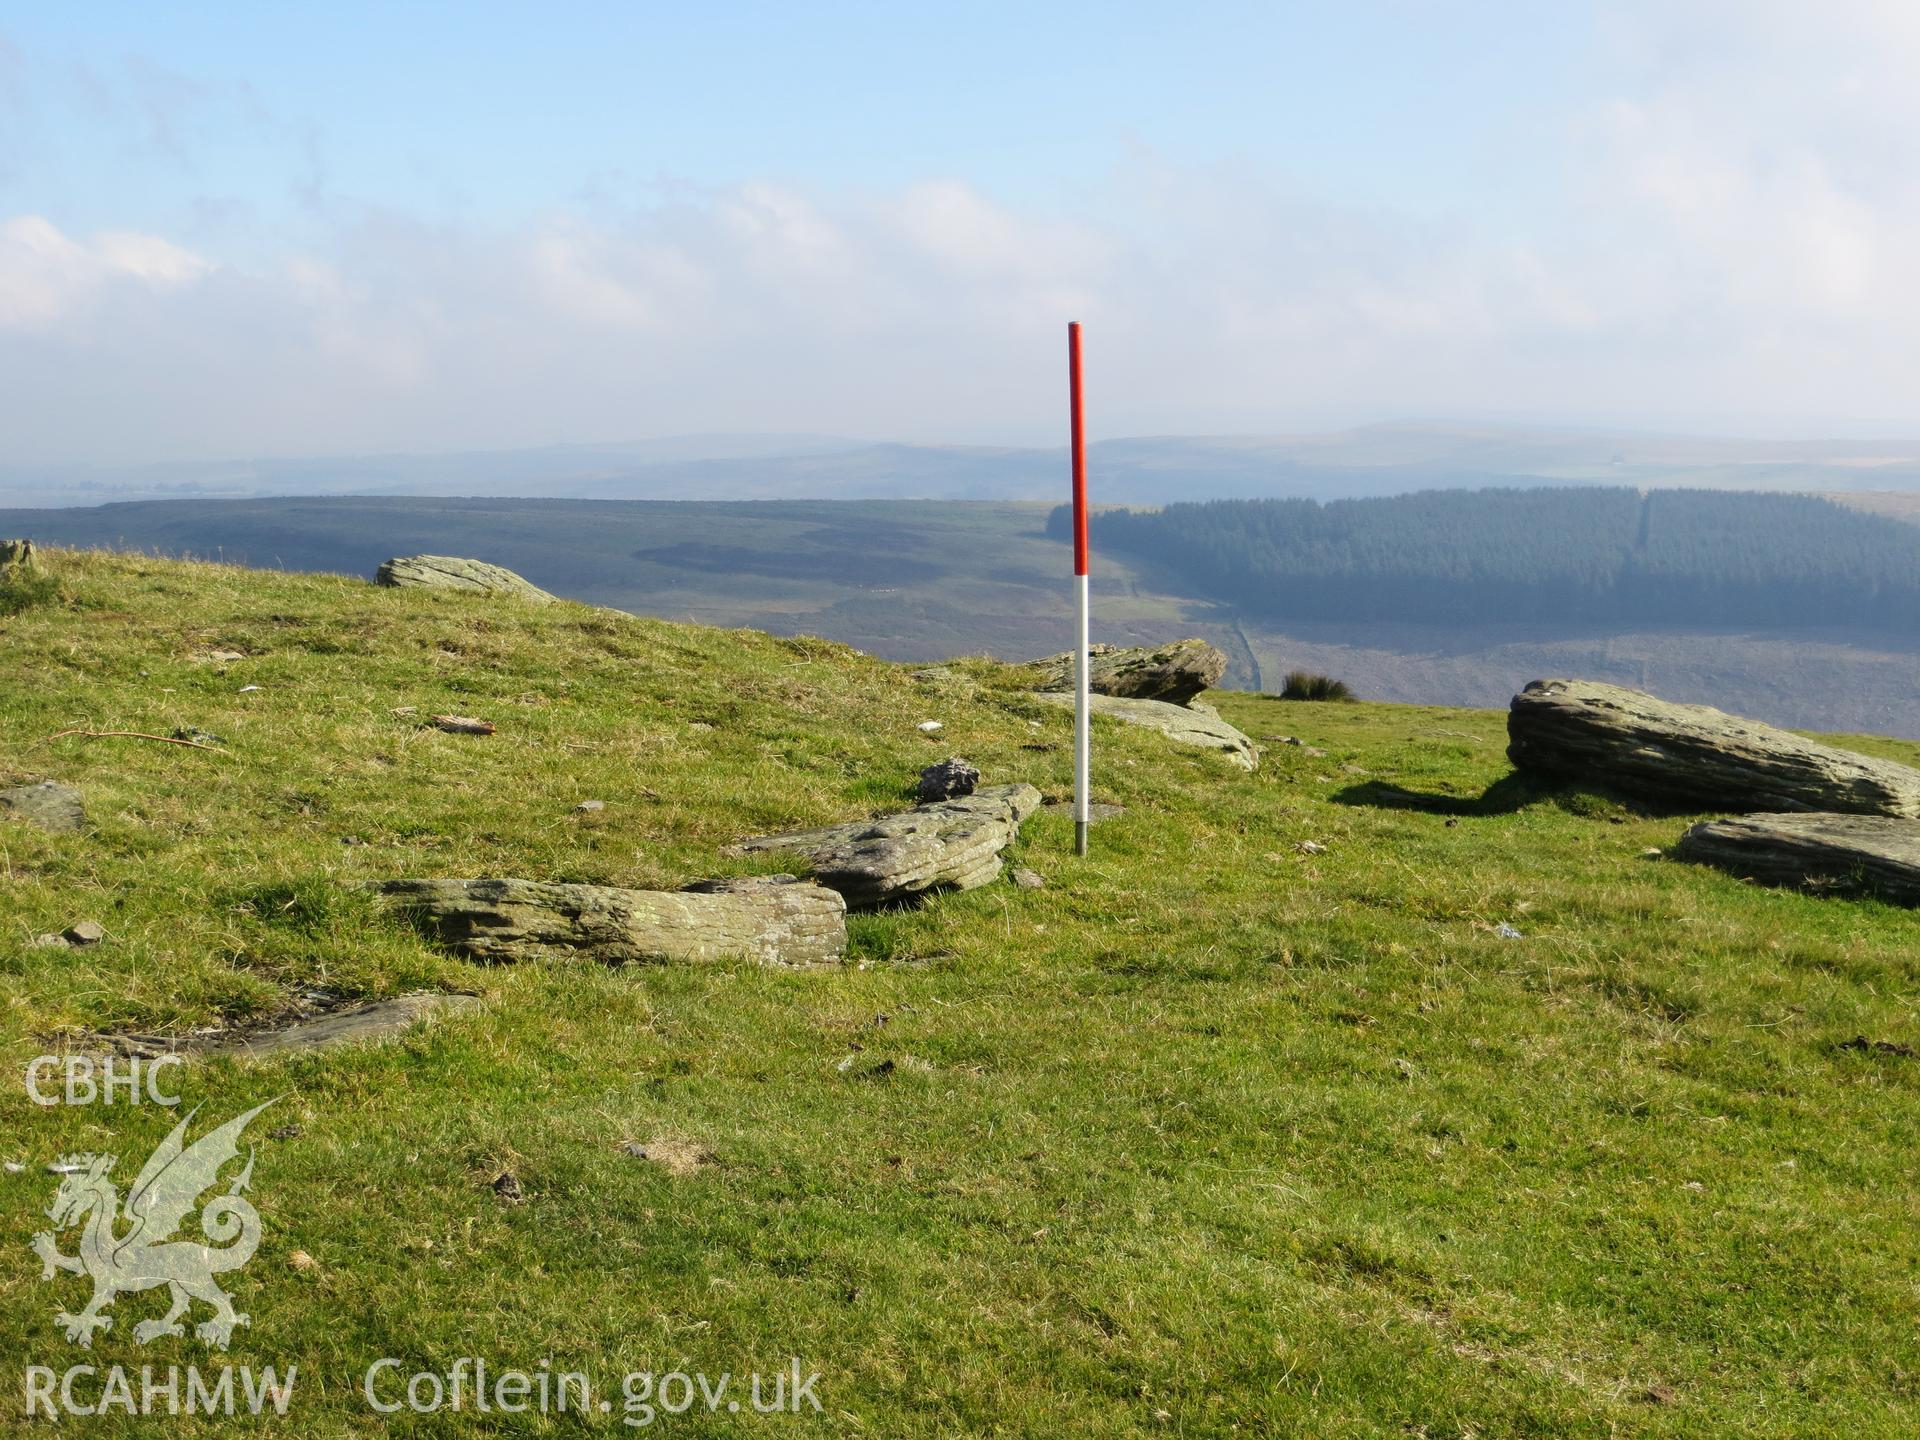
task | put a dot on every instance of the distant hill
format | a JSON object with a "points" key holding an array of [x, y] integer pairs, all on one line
{"points": [[1144, 470]]}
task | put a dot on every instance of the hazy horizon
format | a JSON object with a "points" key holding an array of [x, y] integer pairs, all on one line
{"points": [[711, 444]]}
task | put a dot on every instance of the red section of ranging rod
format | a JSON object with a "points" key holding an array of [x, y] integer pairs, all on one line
{"points": [[1079, 452]]}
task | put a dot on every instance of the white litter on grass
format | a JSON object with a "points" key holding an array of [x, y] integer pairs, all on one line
{"points": [[1506, 931], [927, 727], [245, 689]]}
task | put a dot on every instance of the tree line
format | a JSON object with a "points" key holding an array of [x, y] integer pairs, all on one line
{"points": [[1680, 557]]}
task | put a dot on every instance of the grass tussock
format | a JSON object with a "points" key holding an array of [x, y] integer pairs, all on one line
{"points": [[1305, 685], [23, 587]]}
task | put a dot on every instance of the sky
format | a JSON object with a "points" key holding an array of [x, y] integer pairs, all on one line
{"points": [[248, 230]]}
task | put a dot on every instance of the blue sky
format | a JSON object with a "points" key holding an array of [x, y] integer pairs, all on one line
{"points": [[231, 230], [494, 113]]}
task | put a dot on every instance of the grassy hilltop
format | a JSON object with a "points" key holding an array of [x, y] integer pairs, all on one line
{"points": [[1212, 1135]]}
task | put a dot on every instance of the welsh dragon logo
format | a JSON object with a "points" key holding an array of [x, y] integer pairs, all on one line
{"points": [[136, 1250]]}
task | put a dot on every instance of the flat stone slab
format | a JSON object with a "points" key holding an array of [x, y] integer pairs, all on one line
{"points": [[1199, 728], [1844, 854], [49, 805], [1693, 755], [945, 845], [774, 920], [376, 1020], [451, 572], [1174, 673]]}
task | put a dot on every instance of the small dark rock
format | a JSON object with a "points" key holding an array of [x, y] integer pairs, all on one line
{"points": [[285, 1132], [85, 932], [634, 1149], [951, 778], [507, 1186], [351, 840], [1880, 1047], [196, 735]]}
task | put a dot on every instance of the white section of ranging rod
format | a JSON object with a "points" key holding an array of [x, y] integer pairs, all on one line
{"points": [[1082, 739]]}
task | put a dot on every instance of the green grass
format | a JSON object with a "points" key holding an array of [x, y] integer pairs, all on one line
{"points": [[1211, 1136]]}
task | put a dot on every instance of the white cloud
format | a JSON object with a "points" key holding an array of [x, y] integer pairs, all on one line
{"points": [[46, 277], [148, 257]]}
